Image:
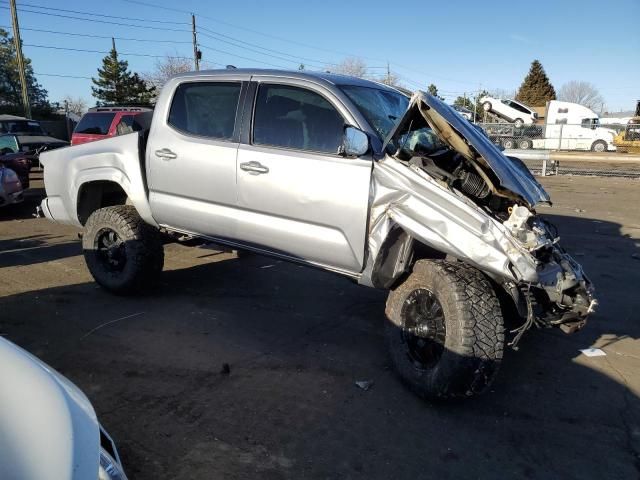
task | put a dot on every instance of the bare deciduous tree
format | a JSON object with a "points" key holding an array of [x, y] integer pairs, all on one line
{"points": [[75, 105], [390, 79], [584, 93], [165, 68], [352, 66]]}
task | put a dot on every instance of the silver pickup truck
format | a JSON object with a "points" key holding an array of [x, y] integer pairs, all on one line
{"points": [[354, 177]]}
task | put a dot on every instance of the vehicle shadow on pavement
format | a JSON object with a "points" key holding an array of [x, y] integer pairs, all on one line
{"points": [[36, 249], [296, 340]]}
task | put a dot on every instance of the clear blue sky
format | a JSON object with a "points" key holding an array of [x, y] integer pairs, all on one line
{"points": [[459, 46]]}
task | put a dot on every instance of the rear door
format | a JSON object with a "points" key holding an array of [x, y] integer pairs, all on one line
{"points": [[296, 195], [191, 157]]}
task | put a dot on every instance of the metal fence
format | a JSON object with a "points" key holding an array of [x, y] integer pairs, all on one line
{"points": [[544, 167]]}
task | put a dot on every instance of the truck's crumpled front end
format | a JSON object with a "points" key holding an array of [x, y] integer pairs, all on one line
{"points": [[562, 294], [445, 187]]}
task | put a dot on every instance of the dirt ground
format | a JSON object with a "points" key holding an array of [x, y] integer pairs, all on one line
{"points": [[298, 339]]}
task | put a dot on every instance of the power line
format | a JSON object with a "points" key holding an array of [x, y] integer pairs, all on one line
{"points": [[253, 45], [164, 29], [61, 75], [92, 14], [109, 37], [254, 50], [102, 51], [315, 47], [242, 57]]}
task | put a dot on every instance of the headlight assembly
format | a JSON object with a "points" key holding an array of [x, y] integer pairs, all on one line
{"points": [[109, 468]]}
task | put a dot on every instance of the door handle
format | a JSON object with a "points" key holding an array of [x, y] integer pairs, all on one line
{"points": [[254, 168], [165, 154]]}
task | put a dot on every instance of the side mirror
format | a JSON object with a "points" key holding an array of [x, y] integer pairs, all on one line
{"points": [[354, 143]]}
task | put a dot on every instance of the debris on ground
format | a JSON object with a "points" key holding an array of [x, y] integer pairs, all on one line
{"points": [[593, 352], [579, 210], [226, 369], [364, 384]]}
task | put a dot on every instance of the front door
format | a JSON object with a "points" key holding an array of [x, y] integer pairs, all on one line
{"points": [[191, 157], [297, 196]]}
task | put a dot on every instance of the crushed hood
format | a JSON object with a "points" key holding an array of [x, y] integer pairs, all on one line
{"points": [[463, 137]]}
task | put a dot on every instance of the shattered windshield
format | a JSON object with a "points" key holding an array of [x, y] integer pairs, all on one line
{"points": [[381, 108]]}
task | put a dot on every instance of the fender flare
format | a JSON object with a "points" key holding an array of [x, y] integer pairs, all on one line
{"points": [[133, 187]]}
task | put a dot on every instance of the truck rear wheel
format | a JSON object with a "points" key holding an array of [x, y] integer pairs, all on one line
{"points": [[508, 143], [445, 331], [123, 253], [524, 144]]}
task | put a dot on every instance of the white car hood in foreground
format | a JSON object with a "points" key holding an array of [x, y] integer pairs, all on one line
{"points": [[48, 428]]}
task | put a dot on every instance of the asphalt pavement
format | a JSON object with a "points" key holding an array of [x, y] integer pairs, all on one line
{"points": [[296, 340]]}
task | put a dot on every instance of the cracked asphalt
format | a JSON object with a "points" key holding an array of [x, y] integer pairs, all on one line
{"points": [[296, 340]]}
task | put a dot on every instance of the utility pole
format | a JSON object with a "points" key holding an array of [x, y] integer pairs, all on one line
{"points": [[196, 52], [388, 74], [115, 80], [18, 43]]}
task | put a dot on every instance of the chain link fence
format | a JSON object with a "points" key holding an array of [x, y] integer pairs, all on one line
{"points": [[545, 166], [571, 149]]}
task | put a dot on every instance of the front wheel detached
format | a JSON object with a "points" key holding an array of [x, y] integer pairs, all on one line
{"points": [[445, 330], [123, 253]]}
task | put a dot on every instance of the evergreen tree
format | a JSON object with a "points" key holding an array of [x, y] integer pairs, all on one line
{"points": [[116, 85], [536, 90], [433, 90], [10, 87]]}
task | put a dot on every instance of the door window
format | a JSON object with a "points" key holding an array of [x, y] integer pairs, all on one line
{"points": [[294, 117], [206, 109]]}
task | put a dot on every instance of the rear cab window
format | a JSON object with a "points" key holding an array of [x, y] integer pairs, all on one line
{"points": [[205, 109], [297, 118], [95, 123]]}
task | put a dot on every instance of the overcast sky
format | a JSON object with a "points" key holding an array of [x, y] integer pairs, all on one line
{"points": [[459, 46]]}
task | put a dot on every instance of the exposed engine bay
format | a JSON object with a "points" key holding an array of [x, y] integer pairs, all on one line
{"points": [[547, 286]]}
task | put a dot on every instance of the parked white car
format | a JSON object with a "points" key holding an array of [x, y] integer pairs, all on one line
{"points": [[510, 110], [48, 428]]}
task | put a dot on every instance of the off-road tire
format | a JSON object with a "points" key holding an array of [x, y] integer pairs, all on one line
{"points": [[474, 338], [143, 250], [599, 146]]}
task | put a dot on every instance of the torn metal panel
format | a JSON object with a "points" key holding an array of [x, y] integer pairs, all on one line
{"points": [[406, 196]]}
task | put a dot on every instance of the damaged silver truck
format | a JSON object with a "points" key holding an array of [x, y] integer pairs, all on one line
{"points": [[344, 174]]}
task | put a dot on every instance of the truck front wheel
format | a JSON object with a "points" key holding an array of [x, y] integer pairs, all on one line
{"points": [[123, 253], [599, 146], [445, 331]]}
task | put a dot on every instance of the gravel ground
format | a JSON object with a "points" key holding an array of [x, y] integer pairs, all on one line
{"points": [[298, 339]]}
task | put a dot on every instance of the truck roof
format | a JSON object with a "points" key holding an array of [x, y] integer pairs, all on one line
{"points": [[327, 77]]}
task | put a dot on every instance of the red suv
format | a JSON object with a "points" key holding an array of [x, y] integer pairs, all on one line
{"points": [[105, 122]]}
